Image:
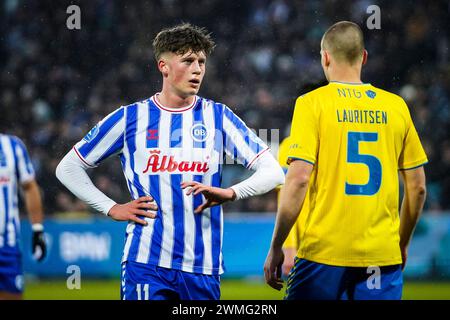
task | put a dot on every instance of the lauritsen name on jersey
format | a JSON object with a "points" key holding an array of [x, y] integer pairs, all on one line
{"points": [[362, 116], [170, 163]]}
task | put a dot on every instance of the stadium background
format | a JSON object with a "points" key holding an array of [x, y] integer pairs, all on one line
{"points": [[57, 83]]}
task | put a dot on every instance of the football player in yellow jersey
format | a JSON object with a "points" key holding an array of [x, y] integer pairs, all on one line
{"points": [[349, 142]]}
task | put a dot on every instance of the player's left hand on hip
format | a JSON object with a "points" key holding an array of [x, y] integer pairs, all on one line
{"points": [[273, 267], [39, 246], [213, 195]]}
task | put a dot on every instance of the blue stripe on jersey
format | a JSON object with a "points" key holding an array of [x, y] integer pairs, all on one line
{"points": [[3, 159], [252, 143], [198, 120], [103, 130], [178, 220], [176, 130], [130, 131], [219, 139], [158, 226], [117, 145], [216, 181], [6, 203], [199, 247], [216, 225], [153, 125]]}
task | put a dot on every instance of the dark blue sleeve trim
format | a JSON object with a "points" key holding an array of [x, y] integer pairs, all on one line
{"points": [[294, 158], [420, 165]]}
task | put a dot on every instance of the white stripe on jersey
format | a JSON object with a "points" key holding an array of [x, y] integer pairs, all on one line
{"points": [[126, 249], [147, 231], [221, 242], [11, 240], [166, 196], [127, 171], [188, 201], [207, 233], [208, 116], [189, 227]]}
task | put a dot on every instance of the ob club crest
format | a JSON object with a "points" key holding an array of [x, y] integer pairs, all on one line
{"points": [[199, 132]]}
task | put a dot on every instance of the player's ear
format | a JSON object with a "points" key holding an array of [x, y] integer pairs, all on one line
{"points": [[365, 55], [163, 67], [326, 58]]}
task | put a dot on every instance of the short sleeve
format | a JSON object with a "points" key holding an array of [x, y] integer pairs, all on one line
{"points": [[283, 151], [304, 132], [103, 140], [24, 167], [413, 154], [241, 143]]}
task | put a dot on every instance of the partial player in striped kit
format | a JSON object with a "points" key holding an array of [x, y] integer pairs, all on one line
{"points": [[172, 148], [17, 171]]}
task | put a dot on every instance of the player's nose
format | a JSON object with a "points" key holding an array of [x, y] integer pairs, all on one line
{"points": [[196, 68]]}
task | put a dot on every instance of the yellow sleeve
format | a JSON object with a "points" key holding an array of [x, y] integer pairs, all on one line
{"points": [[282, 156], [412, 155], [304, 132], [283, 152]]}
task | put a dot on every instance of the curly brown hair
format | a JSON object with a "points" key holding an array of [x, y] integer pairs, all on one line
{"points": [[181, 39]]}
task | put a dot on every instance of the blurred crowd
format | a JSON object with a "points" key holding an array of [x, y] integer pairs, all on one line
{"points": [[57, 83]]}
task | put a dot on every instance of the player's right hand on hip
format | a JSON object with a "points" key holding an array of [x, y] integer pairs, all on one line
{"points": [[142, 207]]}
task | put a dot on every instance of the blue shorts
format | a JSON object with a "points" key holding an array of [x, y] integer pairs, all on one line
{"points": [[148, 282], [11, 275], [315, 281]]}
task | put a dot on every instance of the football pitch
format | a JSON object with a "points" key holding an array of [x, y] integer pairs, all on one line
{"points": [[231, 290]]}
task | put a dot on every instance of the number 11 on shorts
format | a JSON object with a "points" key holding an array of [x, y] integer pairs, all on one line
{"points": [[142, 289]]}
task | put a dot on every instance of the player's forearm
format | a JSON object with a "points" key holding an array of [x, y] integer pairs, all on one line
{"points": [[268, 175], [71, 171], [410, 211], [33, 202], [291, 202]]}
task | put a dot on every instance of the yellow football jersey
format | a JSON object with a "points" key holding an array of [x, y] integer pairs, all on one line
{"points": [[358, 137], [293, 237]]}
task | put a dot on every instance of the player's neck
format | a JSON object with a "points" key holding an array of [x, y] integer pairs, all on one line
{"points": [[344, 74], [172, 100]]}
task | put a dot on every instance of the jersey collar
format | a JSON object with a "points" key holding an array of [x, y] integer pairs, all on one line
{"points": [[351, 83], [168, 109]]}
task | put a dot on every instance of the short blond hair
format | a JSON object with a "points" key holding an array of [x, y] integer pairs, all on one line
{"points": [[345, 42]]}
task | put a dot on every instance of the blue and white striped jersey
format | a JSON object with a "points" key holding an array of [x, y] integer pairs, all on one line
{"points": [[159, 148], [15, 169]]}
